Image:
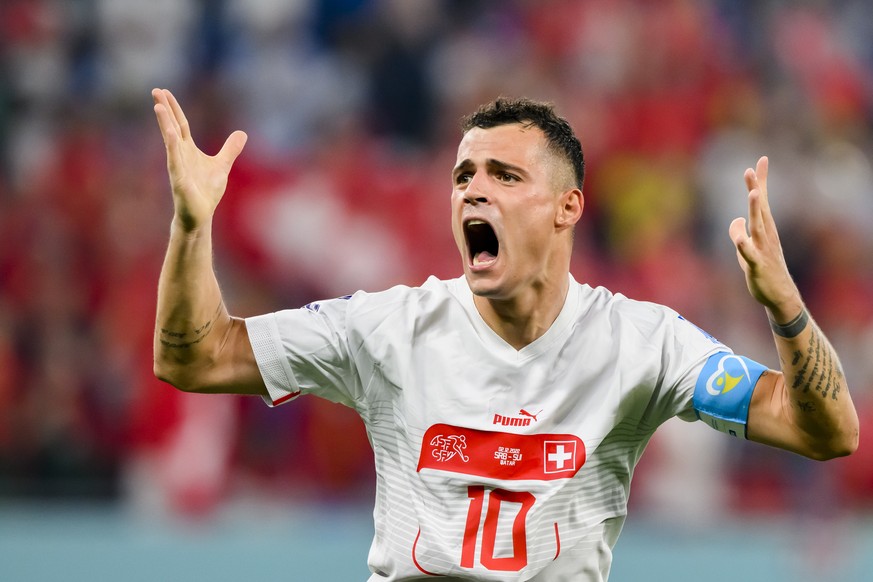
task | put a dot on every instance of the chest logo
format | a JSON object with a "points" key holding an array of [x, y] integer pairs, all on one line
{"points": [[447, 447], [523, 418]]}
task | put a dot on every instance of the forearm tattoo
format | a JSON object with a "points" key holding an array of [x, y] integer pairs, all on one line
{"points": [[186, 339], [819, 370]]}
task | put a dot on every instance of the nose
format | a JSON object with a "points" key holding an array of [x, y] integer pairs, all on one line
{"points": [[475, 192]]}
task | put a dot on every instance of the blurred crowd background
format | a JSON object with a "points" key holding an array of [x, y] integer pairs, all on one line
{"points": [[352, 111]]}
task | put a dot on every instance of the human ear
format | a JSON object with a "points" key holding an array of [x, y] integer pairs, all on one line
{"points": [[570, 205]]}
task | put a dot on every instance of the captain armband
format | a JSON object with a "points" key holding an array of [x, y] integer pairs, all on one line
{"points": [[724, 390]]}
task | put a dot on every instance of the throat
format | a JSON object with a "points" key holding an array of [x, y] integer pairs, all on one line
{"points": [[520, 323]]}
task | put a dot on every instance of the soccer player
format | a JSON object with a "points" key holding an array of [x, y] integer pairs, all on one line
{"points": [[506, 408]]}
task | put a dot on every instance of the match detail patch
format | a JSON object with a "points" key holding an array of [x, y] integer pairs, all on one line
{"points": [[724, 390], [501, 455]]}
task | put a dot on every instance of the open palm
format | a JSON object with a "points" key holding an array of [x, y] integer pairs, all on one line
{"points": [[197, 179], [758, 248]]}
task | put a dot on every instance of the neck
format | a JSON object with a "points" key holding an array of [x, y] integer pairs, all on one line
{"points": [[522, 320]]}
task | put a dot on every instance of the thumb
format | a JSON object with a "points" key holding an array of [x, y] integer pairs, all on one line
{"points": [[232, 148], [737, 231], [740, 237]]}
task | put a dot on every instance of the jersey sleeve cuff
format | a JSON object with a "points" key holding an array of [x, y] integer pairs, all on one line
{"points": [[282, 386]]}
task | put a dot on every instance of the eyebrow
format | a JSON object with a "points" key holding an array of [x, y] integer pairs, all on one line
{"points": [[492, 165]]}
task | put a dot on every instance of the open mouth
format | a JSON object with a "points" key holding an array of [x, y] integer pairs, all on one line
{"points": [[481, 242]]}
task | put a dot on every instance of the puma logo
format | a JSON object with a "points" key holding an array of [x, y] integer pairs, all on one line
{"points": [[524, 418], [524, 412]]}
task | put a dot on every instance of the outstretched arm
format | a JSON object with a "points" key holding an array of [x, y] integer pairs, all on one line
{"points": [[198, 346], [806, 407]]}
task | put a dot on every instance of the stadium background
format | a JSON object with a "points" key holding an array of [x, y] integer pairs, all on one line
{"points": [[351, 107]]}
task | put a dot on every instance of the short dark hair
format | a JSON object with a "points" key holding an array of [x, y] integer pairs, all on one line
{"points": [[559, 135]]}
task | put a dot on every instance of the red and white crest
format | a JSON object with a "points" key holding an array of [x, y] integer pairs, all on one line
{"points": [[559, 456], [446, 447]]}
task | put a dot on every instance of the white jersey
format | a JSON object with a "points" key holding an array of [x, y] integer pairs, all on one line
{"points": [[492, 463]]}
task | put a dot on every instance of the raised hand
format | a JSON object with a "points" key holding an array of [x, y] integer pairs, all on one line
{"points": [[198, 346], [759, 251], [198, 180]]}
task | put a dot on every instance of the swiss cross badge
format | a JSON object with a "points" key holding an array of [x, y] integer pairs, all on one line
{"points": [[559, 456]]}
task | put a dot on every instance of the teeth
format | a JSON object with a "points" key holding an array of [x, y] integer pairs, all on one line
{"points": [[474, 222]]}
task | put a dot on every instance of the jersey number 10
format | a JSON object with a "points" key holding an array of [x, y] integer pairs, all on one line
{"points": [[495, 497]]}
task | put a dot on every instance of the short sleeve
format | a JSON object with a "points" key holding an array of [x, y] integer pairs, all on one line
{"points": [[686, 349], [306, 350], [716, 385]]}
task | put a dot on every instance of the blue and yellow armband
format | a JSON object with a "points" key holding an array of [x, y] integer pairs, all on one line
{"points": [[724, 390]]}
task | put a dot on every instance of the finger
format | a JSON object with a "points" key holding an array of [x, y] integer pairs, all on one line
{"points": [[737, 231], [762, 171], [158, 99], [740, 238], [170, 133], [178, 114], [754, 181], [165, 122], [757, 229], [751, 179], [232, 148], [753, 186]]}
